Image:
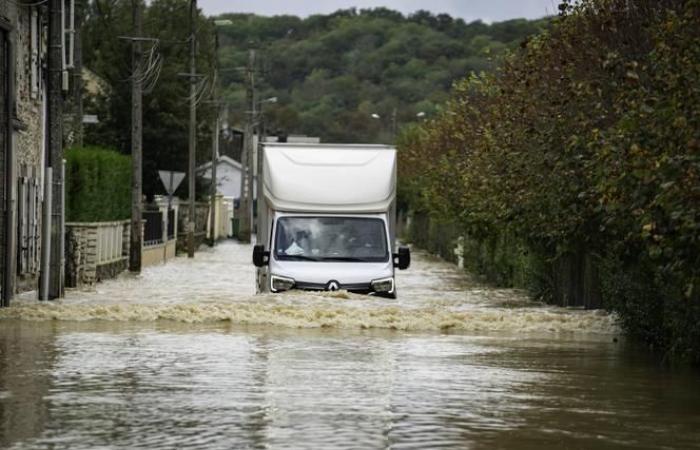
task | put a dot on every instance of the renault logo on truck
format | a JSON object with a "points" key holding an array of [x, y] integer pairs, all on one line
{"points": [[332, 286]]}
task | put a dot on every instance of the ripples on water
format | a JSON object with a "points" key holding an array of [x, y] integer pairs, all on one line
{"points": [[185, 356], [218, 287]]}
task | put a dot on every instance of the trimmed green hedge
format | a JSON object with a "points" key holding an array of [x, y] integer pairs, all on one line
{"points": [[98, 185]]}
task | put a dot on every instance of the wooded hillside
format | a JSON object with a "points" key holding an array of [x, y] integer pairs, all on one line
{"points": [[330, 73]]}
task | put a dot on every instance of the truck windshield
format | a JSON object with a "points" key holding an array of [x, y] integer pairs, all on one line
{"points": [[331, 239]]}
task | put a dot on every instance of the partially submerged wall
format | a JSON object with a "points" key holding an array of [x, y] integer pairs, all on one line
{"points": [[568, 279], [95, 251]]}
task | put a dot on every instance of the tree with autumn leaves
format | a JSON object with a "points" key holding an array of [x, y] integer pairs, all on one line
{"points": [[585, 141]]}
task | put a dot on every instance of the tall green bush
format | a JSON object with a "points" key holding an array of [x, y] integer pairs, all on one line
{"points": [[98, 185], [584, 147]]}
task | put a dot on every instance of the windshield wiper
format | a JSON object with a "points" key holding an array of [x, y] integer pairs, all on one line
{"points": [[344, 258], [299, 257]]}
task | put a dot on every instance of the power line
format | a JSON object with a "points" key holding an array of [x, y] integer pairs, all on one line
{"points": [[20, 3]]}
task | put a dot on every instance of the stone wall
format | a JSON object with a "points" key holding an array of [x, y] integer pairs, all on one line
{"points": [[111, 270], [92, 255], [30, 96], [28, 48], [82, 266]]}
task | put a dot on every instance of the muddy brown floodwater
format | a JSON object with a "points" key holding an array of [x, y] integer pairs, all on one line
{"points": [[185, 356]]}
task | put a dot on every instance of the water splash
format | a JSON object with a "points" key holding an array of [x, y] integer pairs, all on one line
{"points": [[325, 315], [217, 285]]}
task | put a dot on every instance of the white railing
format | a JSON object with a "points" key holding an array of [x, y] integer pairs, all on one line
{"points": [[95, 250], [110, 242]]}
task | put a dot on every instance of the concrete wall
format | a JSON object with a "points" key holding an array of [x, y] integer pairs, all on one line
{"points": [[222, 216], [158, 254], [162, 253]]}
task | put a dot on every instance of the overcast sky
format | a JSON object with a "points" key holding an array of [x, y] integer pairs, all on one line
{"points": [[469, 10]]}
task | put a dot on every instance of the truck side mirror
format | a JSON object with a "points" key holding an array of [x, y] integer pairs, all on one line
{"points": [[404, 258], [260, 256]]}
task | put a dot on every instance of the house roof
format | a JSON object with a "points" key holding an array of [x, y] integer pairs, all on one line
{"points": [[223, 159]]}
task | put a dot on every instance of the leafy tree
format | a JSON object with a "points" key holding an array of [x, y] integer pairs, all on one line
{"points": [[165, 107], [581, 150]]}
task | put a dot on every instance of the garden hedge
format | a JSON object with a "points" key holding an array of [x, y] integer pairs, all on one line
{"points": [[98, 185]]}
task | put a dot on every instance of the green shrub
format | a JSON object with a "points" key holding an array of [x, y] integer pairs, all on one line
{"points": [[576, 166], [438, 237], [98, 185]]}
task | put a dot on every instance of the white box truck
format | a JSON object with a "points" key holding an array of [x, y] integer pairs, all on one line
{"points": [[327, 219]]}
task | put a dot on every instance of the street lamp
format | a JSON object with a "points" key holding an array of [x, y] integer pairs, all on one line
{"points": [[393, 123], [260, 119]]}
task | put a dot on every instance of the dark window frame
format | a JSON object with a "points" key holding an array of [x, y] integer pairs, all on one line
{"points": [[273, 236]]}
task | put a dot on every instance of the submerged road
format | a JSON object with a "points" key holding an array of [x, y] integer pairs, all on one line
{"points": [[185, 356]]}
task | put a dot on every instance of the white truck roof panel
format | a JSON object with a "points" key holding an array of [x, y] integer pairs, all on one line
{"points": [[329, 177]]}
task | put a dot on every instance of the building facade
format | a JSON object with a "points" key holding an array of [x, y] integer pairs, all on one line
{"points": [[23, 48]]}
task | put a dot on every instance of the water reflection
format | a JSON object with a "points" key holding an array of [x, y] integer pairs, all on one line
{"points": [[168, 385], [27, 355], [170, 360]]}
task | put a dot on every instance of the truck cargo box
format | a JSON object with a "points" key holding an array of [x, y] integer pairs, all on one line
{"points": [[330, 178]]}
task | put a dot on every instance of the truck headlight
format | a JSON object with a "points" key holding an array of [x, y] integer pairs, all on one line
{"points": [[383, 285], [278, 284]]}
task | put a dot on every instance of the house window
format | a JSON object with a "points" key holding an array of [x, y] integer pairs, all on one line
{"points": [[36, 51], [28, 226]]}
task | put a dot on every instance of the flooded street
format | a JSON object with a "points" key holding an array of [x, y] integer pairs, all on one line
{"points": [[186, 356]]}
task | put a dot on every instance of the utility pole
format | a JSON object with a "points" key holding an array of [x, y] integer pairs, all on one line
{"points": [[136, 234], [214, 163], [214, 140], [55, 145], [78, 74], [252, 146], [193, 130], [262, 135], [243, 228], [247, 158]]}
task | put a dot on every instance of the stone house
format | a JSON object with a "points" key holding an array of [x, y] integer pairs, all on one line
{"points": [[23, 47]]}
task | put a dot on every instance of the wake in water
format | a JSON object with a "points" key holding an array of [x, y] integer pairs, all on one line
{"points": [[322, 314], [217, 287]]}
